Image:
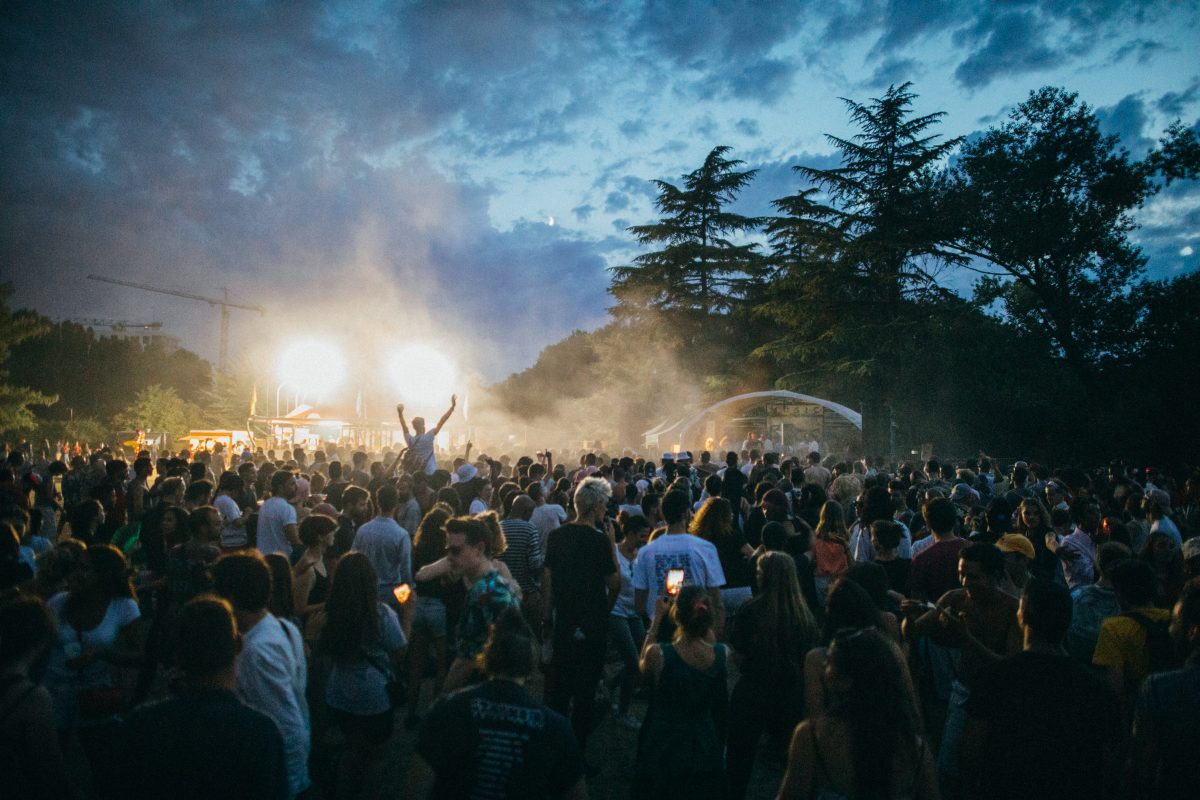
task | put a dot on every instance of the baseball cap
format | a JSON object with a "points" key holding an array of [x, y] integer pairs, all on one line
{"points": [[1016, 543]]}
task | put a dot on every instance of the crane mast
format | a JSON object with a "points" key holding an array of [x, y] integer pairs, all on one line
{"points": [[222, 303]]}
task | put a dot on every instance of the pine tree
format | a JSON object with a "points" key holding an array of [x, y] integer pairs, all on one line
{"points": [[698, 271]]}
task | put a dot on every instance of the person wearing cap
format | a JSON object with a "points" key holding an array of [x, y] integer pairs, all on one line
{"points": [[1018, 555], [1038, 723]]}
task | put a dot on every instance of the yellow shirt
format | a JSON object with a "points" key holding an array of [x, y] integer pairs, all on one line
{"points": [[1122, 643]]}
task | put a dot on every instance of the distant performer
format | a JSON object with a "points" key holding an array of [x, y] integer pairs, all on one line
{"points": [[420, 442]]}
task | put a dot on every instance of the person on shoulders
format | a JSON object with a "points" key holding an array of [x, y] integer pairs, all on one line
{"points": [[420, 441]]}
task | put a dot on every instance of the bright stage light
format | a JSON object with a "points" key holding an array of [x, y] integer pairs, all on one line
{"points": [[422, 375], [312, 367]]}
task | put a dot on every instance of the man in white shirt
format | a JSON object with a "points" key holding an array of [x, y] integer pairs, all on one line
{"points": [[677, 549], [271, 671], [277, 531], [420, 441], [386, 545]]}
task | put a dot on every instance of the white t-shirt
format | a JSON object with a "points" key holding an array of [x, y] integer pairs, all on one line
{"points": [[271, 678], [273, 517], [231, 535], [624, 605], [696, 557], [548, 517], [65, 683]]}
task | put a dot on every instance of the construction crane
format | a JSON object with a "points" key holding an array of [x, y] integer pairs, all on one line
{"points": [[120, 325], [222, 302]]}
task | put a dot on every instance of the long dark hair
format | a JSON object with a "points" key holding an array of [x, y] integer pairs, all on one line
{"points": [[430, 544], [878, 709], [351, 616], [849, 605], [786, 630]]}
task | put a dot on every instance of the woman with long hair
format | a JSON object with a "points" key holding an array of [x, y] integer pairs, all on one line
{"points": [[770, 636], [714, 523], [868, 743], [681, 746], [428, 631], [363, 639], [831, 547], [848, 605], [99, 632], [1033, 522]]}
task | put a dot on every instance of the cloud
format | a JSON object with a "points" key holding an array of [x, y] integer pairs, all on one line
{"points": [[1013, 42], [748, 127], [1173, 104], [632, 128], [1142, 51], [894, 71], [614, 202], [1127, 120], [584, 212]]}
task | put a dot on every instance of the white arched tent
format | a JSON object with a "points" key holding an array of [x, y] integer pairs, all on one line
{"points": [[836, 419]]}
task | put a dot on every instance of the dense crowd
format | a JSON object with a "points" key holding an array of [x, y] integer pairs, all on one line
{"points": [[254, 623]]}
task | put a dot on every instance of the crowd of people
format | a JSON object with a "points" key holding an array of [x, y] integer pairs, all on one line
{"points": [[256, 623]]}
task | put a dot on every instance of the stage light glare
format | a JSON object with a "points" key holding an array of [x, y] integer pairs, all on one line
{"points": [[422, 376], [312, 367]]}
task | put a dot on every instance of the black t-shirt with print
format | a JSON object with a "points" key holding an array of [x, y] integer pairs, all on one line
{"points": [[494, 740]]}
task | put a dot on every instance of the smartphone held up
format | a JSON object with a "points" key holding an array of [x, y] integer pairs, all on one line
{"points": [[674, 581]]}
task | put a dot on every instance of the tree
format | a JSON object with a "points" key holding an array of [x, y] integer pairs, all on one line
{"points": [[157, 409], [16, 413], [699, 270], [1047, 200], [855, 256]]}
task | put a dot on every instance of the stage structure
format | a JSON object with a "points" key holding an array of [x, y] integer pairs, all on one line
{"points": [[789, 421], [313, 426]]}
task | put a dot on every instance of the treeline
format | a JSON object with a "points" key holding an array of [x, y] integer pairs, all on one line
{"points": [[1064, 350], [64, 381]]}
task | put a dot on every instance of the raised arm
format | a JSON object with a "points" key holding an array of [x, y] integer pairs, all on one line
{"points": [[453, 402], [403, 424]]}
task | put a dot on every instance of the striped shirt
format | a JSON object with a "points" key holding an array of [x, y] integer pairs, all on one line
{"points": [[524, 553]]}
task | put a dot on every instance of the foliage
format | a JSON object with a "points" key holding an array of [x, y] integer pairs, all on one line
{"points": [[16, 400], [97, 376], [159, 409], [855, 257], [698, 270], [1047, 200]]}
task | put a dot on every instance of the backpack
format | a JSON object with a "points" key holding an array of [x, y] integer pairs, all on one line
{"points": [[1160, 646]]}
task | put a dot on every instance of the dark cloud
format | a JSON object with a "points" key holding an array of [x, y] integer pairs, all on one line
{"points": [[632, 128], [1173, 104], [894, 71], [1012, 42], [614, 202], [747, 127], [1141, 50], [727, 43], [584, 212], [1127, 121]]}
